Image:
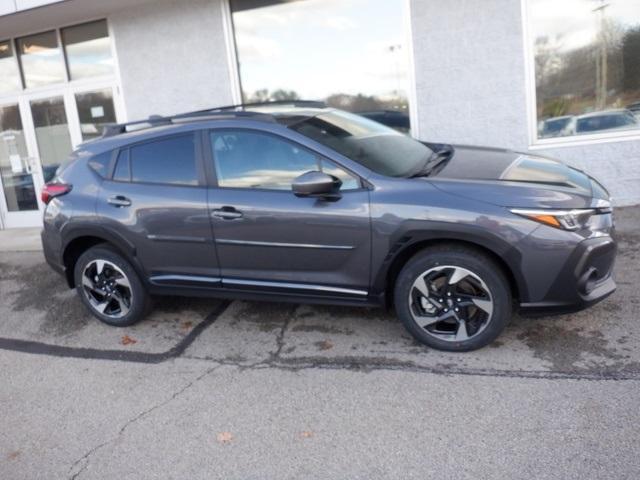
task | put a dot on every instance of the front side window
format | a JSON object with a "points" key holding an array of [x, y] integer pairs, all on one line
{"points": [[350, 54], [587, 67], [167, 161], [246, 159]]}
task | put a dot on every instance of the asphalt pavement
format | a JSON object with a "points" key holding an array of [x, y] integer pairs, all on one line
{"points": [[247, 390]]}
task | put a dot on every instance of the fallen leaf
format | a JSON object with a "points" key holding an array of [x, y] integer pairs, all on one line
{"points": [[13, 455], [324, 345], [306, 434], [127, 340], [186, 325], [225, 437]]}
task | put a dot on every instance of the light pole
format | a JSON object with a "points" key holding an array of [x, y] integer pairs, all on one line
{"points": [[601, 59]]}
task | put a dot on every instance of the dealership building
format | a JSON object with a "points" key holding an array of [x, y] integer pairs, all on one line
{"points": [[547, 77]]}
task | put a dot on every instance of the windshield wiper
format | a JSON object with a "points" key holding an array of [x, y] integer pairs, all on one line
{"points": [[441, 155]]}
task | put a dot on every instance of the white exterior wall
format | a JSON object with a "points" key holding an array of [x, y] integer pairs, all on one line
{"points": [[471, 88], [172, 57]]}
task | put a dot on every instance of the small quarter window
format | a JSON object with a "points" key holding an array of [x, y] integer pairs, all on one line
{"points": [[100, 163], [349, 182]]}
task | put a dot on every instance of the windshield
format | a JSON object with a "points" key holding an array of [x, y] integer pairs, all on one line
{"points": [[369, 143]]}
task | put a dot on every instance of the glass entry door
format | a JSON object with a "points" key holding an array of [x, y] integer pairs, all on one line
{"points": [[18, 198], [37, 134]]}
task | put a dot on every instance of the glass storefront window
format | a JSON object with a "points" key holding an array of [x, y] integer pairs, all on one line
{"points": [[95, 109], [587, 66], [17, 182], [52, 134], [88, 50], [9, 74], [41, 59], [351, 54]]}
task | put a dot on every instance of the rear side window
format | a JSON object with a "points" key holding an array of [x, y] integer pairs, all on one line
{"points": [[169, 160], [100, 163]]}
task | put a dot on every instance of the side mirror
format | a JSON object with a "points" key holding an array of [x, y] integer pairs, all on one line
{"points": [[317, 184]]}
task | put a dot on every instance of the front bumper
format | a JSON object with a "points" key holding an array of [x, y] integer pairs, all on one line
{"points": [[585, 279]]}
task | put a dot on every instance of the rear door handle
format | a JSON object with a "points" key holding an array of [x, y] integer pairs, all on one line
{"points": [[227, 213], [119, 201]]}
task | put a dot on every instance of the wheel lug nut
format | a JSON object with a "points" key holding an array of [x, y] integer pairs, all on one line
{"points": [[458, 300], [446, 309], [457, 309], [448, 294]]}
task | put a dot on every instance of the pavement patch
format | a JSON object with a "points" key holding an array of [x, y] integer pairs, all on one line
{"points": [[39, 314]]}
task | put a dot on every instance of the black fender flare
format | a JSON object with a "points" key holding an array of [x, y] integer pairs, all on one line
{"points": [[73, 232], [408, 240]]}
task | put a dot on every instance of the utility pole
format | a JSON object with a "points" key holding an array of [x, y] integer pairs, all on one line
{"points": [[602, 68]]}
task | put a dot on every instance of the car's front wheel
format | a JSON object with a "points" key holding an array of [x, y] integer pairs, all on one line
{"points": [[453, 298], [110, 287]]}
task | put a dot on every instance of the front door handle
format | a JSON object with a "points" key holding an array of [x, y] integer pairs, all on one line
{"points": [[227, 213], [119, 201]]}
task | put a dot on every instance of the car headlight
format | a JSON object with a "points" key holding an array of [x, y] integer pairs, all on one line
{"points": [[565, 219]]}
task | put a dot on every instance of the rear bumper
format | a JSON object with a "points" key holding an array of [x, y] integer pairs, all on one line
{"points": [[586, 279], [51, 254]]}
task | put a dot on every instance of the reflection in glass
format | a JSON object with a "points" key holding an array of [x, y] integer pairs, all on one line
{"points": [[587, 66], [88, 50], [245, 159], [351, 54], [17, 182], [52, 134], [41, 59], [95, 109], [9, 74]]}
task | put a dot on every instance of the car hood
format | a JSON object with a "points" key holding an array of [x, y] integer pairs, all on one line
{"points": [[517, 179]]}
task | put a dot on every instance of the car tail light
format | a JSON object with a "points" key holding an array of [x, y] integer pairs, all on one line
{"points": [[52, 190]]}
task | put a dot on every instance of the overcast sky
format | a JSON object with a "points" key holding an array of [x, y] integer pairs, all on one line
{"points": [[321, 47], [574, 20]]}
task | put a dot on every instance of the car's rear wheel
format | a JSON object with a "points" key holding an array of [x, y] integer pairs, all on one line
{"points": [[453, 298], [110, 287]]}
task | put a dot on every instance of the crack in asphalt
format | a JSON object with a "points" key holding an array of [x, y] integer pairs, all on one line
{"points": [[85, 459], [275, 360], [371, 364]]}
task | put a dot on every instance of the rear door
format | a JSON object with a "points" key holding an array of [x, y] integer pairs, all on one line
{"points": [[157, 200], [269, 239]]}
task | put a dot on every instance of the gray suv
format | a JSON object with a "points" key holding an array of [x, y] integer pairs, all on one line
{"points": [[304, 203]]}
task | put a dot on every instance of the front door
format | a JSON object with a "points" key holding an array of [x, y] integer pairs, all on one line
{"points": [[267, 238], [19, 204]]}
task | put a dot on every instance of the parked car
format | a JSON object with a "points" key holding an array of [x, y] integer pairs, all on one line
{"points": [[395, 119], [634, 107], [318, 205], [557, 126], [608, 120]]}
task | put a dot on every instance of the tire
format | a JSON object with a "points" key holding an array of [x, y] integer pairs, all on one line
{"points": [[110, 288], [453, 298]]}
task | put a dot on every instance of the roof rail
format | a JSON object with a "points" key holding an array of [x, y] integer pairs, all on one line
{"points": [[240, 110], [113, 129], [293, 103]]}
